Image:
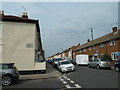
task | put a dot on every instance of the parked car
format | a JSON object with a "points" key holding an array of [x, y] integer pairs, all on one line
{"points": [[117, 66], [50, 61], [99, 63], [65, 66], [9, 73], [55, 61], [73, 61]]}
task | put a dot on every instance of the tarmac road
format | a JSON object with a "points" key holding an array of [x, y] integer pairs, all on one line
{"points": [[83, 77]]}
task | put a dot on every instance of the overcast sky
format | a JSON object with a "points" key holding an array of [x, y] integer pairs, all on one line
{"points": [[64, 24]]}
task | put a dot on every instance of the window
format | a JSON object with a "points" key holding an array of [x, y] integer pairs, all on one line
{"points": [[96, 60], [80, 51], [101, 45], [114, 56], [112, 42], [89, 48], [84, 49]]}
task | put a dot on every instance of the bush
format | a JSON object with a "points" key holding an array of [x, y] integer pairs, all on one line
{"points": [[106, 57]]}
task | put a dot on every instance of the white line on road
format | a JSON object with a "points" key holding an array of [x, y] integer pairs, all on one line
{"points": [[62, 79], [64, 76], [68, 86], [72, 81], [59, 77], [68, 79], [64, 82], [78, 86]]}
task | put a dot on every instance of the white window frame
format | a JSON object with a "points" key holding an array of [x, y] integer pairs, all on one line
{"points": [[113, 56], [80, 51], [102, 45], [84, 49], [90, 48], [112, 42]]}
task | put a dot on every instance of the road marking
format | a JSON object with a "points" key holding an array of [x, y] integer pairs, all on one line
{"points": [[68, 79], [62, 79], [68, 86], [78, 86], [64, 82], [59, 77], [64, 76], [72, 81]]}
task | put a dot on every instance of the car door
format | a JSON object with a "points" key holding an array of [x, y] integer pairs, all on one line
{"points": [[94, 62], [58, 65]]}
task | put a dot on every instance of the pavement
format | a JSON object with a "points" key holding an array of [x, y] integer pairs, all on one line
{"points": [[51, 72]]}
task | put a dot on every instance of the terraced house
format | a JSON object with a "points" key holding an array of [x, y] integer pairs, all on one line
{"points": [[108, 44], [21, 42]]}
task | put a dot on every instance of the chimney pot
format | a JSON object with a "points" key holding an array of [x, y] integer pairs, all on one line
{"points": [[114, 29], [1, 12], [25, 15], [88, 40]]}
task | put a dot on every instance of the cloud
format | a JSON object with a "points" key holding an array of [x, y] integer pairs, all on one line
{"points": [[67, 24]]}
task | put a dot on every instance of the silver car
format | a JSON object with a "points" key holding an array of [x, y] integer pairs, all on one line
{"points": [[9, 74], [99, 63]]}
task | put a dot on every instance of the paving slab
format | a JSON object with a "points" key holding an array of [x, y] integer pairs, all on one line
{"points": [[51, 72]]}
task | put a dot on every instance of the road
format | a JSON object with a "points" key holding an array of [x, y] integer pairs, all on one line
{"points": [[83, 77]]}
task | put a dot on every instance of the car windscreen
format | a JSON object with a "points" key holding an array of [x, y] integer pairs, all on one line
{"points": [[57, 59], [65, 62]]}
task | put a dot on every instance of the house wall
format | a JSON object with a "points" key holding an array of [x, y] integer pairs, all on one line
{"points": [[19, 44], [101, 51]]}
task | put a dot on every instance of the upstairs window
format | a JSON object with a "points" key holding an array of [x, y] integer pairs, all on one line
{"points": [[112, 42], [80, 51], [114, 56], [101, 45], [89, 48], [84, 49]]}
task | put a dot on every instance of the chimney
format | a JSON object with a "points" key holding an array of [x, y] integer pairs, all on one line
{"points": [[1, 12], [25, 15], [88, 40], [78, 44], [114, 29]]}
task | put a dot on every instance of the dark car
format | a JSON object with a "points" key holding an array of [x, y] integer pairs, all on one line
{"points": [[50, 61], [117, 66], [73, 61], [9, 73]]}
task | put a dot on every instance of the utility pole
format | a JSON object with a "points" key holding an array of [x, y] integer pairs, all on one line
{"points": [[92, 38], [92, 42], [96, 50]]}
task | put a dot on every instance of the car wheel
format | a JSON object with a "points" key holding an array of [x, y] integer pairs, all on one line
{"points": [[117, 69], [6, 80], [98, 67]]}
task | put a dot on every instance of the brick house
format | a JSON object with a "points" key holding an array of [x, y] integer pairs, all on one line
{"points": [[68, 53], [107, 44]]}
